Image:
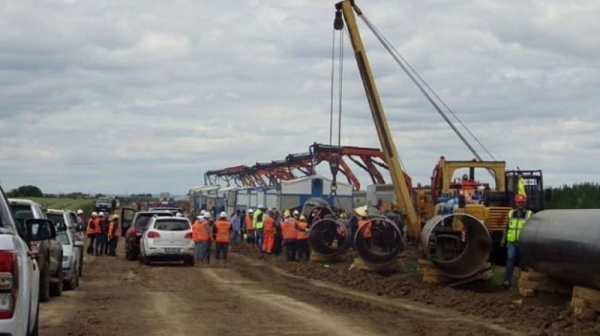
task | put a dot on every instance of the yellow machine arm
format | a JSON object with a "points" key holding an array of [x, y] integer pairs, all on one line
{"points": [[347, 9]]}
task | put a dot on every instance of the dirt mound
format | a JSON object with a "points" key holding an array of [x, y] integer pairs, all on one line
{"points": [[534, 315]]}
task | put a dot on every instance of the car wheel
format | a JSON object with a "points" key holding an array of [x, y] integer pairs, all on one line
{"points": [[129, 253], [45, 284], [145, 260], [80, 270], [35, 330], [56, 287], [189, 262], [73, 283]]}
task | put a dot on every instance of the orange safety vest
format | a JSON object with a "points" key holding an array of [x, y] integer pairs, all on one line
{"points": [[223, 231], [197, 229], [288, 229], [303, 234], [98, 226], [366, 232], [89, 229], [269, 226], [249, 224], [113, 228]]}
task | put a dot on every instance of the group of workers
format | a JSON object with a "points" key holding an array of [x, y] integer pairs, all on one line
{"points": [[268, 229], [103, 234], [273, 232], [204, 231]]}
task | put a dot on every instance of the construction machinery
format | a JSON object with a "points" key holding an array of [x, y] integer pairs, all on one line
{"points": [[264, 174], [462, 218]]}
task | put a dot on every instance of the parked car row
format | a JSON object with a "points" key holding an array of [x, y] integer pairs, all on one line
{"points": [[157, 235], [40, 255]]}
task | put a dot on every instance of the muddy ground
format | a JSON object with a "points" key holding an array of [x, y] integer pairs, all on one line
{"points": [[265, 295]]}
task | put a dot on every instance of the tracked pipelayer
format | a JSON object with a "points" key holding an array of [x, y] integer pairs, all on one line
{"points": [[457, 241]]}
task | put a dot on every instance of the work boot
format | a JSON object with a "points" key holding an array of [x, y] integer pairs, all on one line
{"points": [[506, 284]]}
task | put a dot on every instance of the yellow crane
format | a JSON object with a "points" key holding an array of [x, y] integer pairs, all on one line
{"points": [[401, 190]]}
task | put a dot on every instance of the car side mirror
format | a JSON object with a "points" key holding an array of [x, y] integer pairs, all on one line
{"points": [[40, 229], [78, 243]]}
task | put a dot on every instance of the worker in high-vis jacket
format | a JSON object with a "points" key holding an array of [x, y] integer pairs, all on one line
{"points": [[289, 230], [364, 225], [249, 226], [303, 246], [90, 231], [202, 236], [269, 232], [222, 234], [113, 235], [517, 219], [259, 220]]}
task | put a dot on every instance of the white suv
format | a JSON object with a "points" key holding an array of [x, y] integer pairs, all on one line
{"points": [[167, 239], [19, 272]]}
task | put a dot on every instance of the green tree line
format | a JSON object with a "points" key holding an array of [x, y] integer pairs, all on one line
{"points": [[578, 196]]}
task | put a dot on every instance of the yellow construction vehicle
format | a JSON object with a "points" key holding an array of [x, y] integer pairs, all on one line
{"points": [[458, 219]]}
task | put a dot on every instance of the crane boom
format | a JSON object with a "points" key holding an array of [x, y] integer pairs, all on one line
{"points": [[401, 191]]}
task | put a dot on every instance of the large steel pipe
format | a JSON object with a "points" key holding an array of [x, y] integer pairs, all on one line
{"points": [[564, 244], [378, 241], [329, 237], [459, 245]]}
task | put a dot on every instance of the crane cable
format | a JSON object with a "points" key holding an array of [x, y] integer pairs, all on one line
{"points": [[406, 67], [332, 89], [340, 55]]}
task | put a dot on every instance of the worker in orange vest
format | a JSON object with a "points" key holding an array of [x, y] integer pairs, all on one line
{"points": [[289, 229], [196, 235], [113, 235], [90, 231], [100, 233], [250, 231], [364, 225], [302, 235], [269, 232], [222, 233], [206, 239]]}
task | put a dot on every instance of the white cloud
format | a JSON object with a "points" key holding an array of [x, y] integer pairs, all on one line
{"points": [[144, 96]]}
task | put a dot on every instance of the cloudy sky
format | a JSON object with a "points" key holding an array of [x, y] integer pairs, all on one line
{"points": [[145, 96]]}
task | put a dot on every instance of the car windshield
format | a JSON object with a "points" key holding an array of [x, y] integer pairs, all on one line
{"points": [[63, 238], [59, 221], [103, 200], [4, 211], [172, 225], [21, 212], [143, 219]]}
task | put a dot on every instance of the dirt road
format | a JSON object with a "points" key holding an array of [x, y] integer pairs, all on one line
{"points": [[248, 297]]}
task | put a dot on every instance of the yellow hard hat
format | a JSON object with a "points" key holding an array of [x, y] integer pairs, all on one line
{"points": [[115, 216], [286, 213], [361, 211], [302, 218]]}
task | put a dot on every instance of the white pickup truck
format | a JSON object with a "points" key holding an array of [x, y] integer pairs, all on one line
{"points": [[19, 273]]}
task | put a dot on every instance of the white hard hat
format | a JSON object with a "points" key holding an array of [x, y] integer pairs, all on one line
{"points": [[80, 212], [250, 211], [296, 212], [94, 214], [199, 217], [202, 212], [260, 206], [179, 214], [206, 215], [223, 215], [101, 214]]}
